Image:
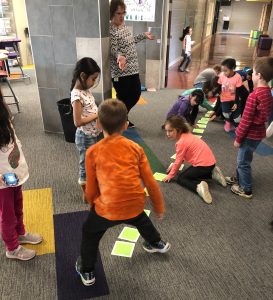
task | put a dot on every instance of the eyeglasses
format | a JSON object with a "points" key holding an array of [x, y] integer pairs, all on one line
{"points": [[121, 13]]}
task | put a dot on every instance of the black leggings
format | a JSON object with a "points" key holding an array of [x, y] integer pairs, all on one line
{"points": [[192, 176], [94, 228], [128, 90]]}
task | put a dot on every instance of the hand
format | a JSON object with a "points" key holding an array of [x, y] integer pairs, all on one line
{"points": [[2, 182], [234, 107], [159, 216], [149, 36], [236, 144], [121, 62], [166, 179]]}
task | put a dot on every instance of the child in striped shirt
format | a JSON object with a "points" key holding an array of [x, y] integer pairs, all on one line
{"points": [[251, 129]]}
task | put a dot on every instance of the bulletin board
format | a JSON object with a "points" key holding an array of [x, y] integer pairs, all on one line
{"points": [[140, 10]]}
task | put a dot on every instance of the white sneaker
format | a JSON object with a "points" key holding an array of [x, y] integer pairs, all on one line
{"points": [[30, 238], [269, 130], [218, 176], [21, 253], [81, 182], [203, 192]]}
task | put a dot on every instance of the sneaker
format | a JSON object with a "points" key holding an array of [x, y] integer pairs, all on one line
{"points": [[203, 192], [180, 70], [227, 126], [87, 278], [218, 176], [131, 125], [160, 247], [269, 130], [21, 253], [187, 70], [231, 180], [236, 189], [30, 238], [81, 182]]}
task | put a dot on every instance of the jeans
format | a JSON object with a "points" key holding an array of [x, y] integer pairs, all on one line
{"points": [[95, 226], [11, 211], [185, 61], [83, 142], [192, 176], [244, 159]]}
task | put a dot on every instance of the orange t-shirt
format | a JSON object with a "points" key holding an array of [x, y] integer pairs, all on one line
{"points": [[116, 170], [228, 86]]}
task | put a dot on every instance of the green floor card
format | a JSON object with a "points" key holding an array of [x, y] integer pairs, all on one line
{"points": [[174, 156], [204, 119], [129, 234], [124, 249], [207, 115], [202, 126], [159, 176], [147, 211], [202, 122], [198, 130]]}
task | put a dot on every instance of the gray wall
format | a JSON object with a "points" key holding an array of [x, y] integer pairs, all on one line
{"points": [[270, 27], [244, 16], [186, 13], [61, 32]]}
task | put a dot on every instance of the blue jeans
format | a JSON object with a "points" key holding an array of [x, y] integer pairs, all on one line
{"points": [[83, 142], [244, 159]]}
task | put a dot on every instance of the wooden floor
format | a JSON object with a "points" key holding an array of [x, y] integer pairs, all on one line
{"points": [[213, 51]]}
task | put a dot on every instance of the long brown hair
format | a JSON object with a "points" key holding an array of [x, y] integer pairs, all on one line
{"points": [[6, 130], [178, 123]]}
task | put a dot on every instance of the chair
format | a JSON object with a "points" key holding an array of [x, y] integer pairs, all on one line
{"points": [[4, 78]]}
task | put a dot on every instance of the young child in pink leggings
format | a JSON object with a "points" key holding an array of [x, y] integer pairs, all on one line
{"points": [[13, 165]]}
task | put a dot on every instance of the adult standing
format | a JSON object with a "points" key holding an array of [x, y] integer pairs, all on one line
{"points": [[124, 60]]}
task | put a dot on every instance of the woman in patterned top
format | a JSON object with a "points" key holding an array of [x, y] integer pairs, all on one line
{"points": [[124, 61], [85, 109]]}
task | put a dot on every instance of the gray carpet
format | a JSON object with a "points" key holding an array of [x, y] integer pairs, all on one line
{"points": [[221, 251]]}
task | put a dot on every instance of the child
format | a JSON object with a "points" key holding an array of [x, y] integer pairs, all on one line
{"points": [[251, 129], [206, 78], [186, 49], [187, 106], [231, 90], [85, 109], [116, 168], [195, 151], [246, 74], [12, 160]]}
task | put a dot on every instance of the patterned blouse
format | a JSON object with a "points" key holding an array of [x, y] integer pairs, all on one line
{"points": [[89, 106], [123, 43]]}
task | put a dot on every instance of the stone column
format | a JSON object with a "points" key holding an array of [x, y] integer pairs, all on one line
{"points": [[61, 32]]}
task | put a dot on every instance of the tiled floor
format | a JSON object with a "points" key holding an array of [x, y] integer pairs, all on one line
{"points": [[213, 51]]}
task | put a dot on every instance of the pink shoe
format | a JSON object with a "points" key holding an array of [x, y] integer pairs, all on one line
{"points": [[227, 126]]}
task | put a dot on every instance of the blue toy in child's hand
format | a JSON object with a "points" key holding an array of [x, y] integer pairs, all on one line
{"points": [[10, 179]]}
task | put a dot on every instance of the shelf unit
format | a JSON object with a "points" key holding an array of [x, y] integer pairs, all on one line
{"points": [[7, 22]]}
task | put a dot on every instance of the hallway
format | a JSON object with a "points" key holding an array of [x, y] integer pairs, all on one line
{"points": [[212, 51]]}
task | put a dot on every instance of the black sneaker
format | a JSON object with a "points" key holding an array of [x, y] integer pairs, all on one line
{"points": [[87, 278], [236, 189], [231, 180], [131, 125], [160, 247]]}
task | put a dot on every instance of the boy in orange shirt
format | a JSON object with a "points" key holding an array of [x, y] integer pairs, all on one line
{"points": [[115, 169]]}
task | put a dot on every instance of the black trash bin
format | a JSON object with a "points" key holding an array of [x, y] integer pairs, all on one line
{"points": [[66, 113]]}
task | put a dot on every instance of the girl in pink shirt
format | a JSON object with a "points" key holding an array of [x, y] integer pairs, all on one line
{"points": [[197, 153]]}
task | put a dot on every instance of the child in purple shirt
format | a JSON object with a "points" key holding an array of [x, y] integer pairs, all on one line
{"points": [[187, 106]]}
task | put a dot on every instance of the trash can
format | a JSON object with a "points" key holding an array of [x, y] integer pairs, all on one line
{"points": [[66, 114]]}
